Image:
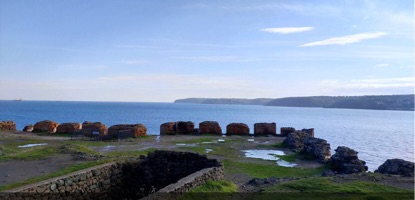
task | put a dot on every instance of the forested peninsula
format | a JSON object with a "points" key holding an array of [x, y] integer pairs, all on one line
{"points": [[372, 102]]}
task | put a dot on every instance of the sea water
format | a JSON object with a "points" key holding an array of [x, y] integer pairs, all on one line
{"points": [[376, 134]]}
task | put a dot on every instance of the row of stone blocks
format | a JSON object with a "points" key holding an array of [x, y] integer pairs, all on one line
{"points": [[213, 127], [87, 128]]}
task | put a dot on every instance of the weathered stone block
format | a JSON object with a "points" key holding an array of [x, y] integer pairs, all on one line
{"points": [[345, 161], [28, 128], [69, 127], [185, 127], [7, 126], [237, 129], [90, 127], [210, 127], [285, 130], [128, 130], [46, 126], [262, 129], [168, 128]]}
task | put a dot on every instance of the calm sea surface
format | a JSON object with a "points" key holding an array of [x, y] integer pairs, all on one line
{"points": [[376, 135]]}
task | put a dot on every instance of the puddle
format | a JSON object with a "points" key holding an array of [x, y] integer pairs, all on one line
{"points": [[208, 150], [284, 163], [268, 155], [208, 142], [185, 145], [32, 145], [107, 148], [250, 140], [158, 138], [221, 140]]}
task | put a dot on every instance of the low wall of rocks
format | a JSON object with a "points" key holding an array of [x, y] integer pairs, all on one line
{"points": [[160, 174]]}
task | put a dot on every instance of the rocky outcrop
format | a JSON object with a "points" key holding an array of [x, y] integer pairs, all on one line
{"points": [[237, 129], [345, 161], [69, 127], [398, 167], [89, 128], [130, 130], [262, 129], [28, 128], [168, 128], [7, 126], [285, 130], [45, 126], [318, 148], [310, 131], [185, 127], [295, 140], [210, 127]]}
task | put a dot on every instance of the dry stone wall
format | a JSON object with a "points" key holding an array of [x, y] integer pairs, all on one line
{"points": [[261, 129], [161, 174]]}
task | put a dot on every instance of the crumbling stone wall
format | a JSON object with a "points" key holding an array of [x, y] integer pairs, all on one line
{"points": [[165, 173], [237, 129], [261, 129], [7, 126], [211, 127]]}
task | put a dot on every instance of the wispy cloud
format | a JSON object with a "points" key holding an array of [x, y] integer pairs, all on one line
{"points": [[209, 58], [346, 39], [287, 30]]}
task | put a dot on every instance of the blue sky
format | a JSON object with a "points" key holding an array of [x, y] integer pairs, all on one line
{"points": [[159, 51]]}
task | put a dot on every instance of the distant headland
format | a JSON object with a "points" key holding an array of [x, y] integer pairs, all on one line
{"points": [[372, 102]]}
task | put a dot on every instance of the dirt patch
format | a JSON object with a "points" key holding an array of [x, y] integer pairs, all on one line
{"points": [[20, 170]]}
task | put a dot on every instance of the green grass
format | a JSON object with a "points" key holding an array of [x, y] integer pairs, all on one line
{"points": [[289, 157], [215, 190], [325, 188], [267, 170], [61, 172], [11, 150]]}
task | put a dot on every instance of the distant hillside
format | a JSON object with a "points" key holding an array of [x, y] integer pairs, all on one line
{"points": [[381, 102], [259, 101]]}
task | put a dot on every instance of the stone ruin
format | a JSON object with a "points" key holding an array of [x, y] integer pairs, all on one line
{"points": [[285, 130], [45, 126], [7, 126], [180, 127], [345, 161], [237, 129], [264, 129], [210, 127], [69, 127], [28, 128], [160, 175], [128, 130], [89, 128], [305, 142]]}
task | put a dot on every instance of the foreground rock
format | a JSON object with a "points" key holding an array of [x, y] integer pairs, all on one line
{"points": [[237, 129], [128, 130], [90, 128], [69, 127], [345, 161], [168, 128], [295, 140], [46, 126], [210, 127], [7, 126], [398, 167], [263, 129], [28, 128]]}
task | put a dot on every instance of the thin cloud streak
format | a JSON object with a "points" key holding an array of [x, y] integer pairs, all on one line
{"points": [[345, 39], [287, 30]]}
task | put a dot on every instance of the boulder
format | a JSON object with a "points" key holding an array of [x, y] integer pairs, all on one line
{"points": [[185, 127], [168, 128], [318, 148], [285, 130], [295, 140], [28, 128], [398, 167], [132, 130], [45, 126], [265, 129], [345, 161], [7, 126], [237, 129], [89, 128], [210, 127], [69, 127]]}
